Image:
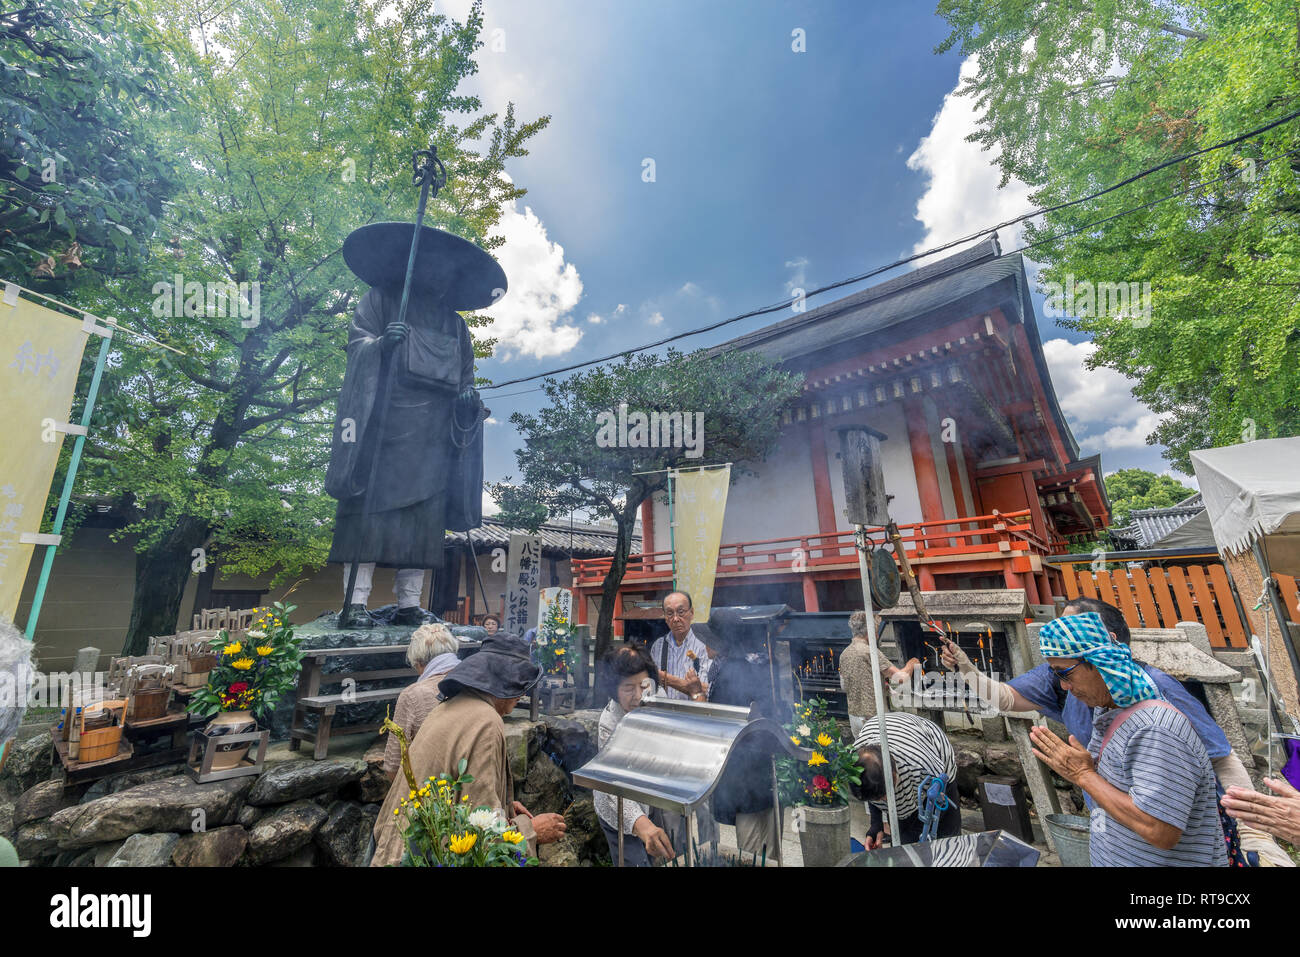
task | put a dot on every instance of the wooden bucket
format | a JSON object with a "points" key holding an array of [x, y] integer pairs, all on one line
{"points": [[149, 704], [195, 669], [98, 744]]}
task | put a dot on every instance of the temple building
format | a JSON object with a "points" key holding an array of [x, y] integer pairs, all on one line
{"points": [[985, 476]]}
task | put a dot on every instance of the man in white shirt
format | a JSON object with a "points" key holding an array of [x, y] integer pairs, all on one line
{"points": [[683, 660], [679, 655]]}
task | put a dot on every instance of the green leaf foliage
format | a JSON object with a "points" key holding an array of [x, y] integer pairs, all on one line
{"points": [[294, 124], [565, 466], [1077, 96]]}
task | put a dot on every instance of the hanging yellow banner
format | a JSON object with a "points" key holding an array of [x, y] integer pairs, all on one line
{"points": [[699, 503], [40, 355]]}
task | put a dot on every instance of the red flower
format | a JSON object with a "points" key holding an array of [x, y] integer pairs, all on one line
{"points": [[238, 687], [821, 784]]}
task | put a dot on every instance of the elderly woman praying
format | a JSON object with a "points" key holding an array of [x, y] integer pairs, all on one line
{"points": [[1145, 767], [432, 652]]}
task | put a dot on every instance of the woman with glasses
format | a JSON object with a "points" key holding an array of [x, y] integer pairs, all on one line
{"points": [[1145, 767]]}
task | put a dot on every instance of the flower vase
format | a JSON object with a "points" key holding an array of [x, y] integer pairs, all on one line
{"points": [[227, 756], [824, 840]]}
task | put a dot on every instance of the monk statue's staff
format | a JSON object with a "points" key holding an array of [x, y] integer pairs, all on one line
{"points": [[430, 175]]}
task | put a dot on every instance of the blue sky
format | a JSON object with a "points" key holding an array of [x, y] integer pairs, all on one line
{"points": [[772, 169]]}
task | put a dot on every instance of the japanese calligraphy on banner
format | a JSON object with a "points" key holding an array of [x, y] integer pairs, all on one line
{"points": [[40, 355], [555, 596], [523, 576], [699, 503]]}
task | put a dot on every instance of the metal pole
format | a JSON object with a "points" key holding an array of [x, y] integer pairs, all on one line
{"points": [[68, 480], [620, 830], [776, 811], [672, 522], [860, 539], [690, 838]]}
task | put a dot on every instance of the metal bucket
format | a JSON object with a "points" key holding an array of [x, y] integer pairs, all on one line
{"points": [[1070, 835]]}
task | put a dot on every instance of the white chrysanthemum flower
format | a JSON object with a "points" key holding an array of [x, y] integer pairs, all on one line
{"points": [[541, 641], [561, 631], [804, 730], [254, 633], [484, 819]]}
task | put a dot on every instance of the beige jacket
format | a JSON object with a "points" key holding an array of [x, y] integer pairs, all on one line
{"points": [[467, 726], [413, 706]]}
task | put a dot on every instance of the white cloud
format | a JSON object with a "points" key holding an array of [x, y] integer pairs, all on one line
{"points": [[962, 194], [655, 319], [532, 318], [800, 278], [491, 420], [620, 309], [595, 319], [1098, 403], [489, 506]]}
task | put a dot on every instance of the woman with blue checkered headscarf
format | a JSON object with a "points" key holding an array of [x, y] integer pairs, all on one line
{"points": [[1085, 637], [1148, 774]]}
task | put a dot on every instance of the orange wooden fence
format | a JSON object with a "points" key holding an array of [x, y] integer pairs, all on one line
{"points": [[1162, 597]]}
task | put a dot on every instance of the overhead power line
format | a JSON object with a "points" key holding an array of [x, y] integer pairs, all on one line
{"points": [[785, 304]]}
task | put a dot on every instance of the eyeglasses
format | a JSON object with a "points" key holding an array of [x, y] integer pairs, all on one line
{"points": [[670, 615], [1063, 674]]}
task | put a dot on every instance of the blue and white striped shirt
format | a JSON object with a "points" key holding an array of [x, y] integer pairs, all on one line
{"points": [[1156, 757]]}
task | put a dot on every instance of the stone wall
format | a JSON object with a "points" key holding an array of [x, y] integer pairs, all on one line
{"points": [[297, 813]]}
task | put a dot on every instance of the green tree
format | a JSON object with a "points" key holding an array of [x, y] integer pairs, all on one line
{"points": [[297, 126], [567, 465], [1130, 489], [1075, 96], [80, 85]]}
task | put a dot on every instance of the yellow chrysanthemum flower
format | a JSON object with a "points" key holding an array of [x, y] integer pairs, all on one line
{"points": [[816, 760], [559, 651], [796, 740], [233, 648], [265, 650], [824, 740], [512, 837], [463, 843], [243, 664]]}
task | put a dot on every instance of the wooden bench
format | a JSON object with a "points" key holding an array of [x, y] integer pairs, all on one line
{"points": [[325, 706]]}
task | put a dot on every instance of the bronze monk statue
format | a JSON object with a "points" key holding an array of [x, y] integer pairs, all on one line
{"points": [[423, 447]]}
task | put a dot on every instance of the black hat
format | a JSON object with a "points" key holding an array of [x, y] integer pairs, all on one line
{"points": [[466, 276], [501, 667]]}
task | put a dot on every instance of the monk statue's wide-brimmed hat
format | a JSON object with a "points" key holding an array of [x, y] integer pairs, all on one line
{"points": [[464, 276], [502, 667]]}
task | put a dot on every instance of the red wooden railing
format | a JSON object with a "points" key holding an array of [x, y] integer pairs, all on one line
{"points": [[1010, 534]]}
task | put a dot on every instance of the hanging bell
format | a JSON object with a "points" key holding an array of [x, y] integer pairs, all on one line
{"points": [[45, 269], [72, 257]]}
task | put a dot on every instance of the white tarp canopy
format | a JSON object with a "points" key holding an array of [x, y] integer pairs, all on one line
{"points": [[1252, 492]]}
